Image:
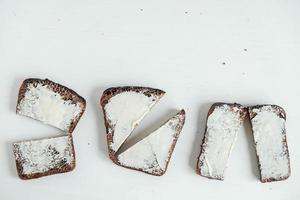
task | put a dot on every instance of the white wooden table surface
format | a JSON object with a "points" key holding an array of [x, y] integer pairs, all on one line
{"points": [[198, 51]]}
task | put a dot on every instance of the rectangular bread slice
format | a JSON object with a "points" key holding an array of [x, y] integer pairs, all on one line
{"points": [[43, 157], [50, 103], [223, 124], [268, 126]]}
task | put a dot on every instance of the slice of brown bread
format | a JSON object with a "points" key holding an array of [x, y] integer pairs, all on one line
{"points": [[51, 103], [269, 133], [223, 123], [43, 157], [124, 108], [153, 153]]}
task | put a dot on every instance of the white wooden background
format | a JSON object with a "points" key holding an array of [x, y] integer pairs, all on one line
{"points": [[198, 51]]}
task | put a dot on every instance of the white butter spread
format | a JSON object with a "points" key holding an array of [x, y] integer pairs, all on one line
{"points": [[153, 152], [223, 125], [38, 156], [43, 104], [125, 111], [269, 135]]}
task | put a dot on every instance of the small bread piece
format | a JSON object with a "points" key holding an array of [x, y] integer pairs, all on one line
{"points": [[124, 108], [37, 158], [268, 126], [223, 123], [50, 103], [152, 154]]}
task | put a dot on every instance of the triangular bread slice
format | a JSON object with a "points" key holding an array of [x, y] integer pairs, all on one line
{"points": [[50, 103], [124, 108], [269, 133], [43, 157], [152, 154], [224, 121]]}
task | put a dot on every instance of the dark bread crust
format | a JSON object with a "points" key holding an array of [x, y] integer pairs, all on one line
{"points": [[282, 114], [66, 93], [243, 113], [181, 116], [58, 170], [113, 91]]}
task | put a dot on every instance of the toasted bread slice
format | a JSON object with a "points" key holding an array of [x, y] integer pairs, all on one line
{"points": [[50, 103], [223, 123], [152, 154], [43, 157], [268, 126], [124, 108]]}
